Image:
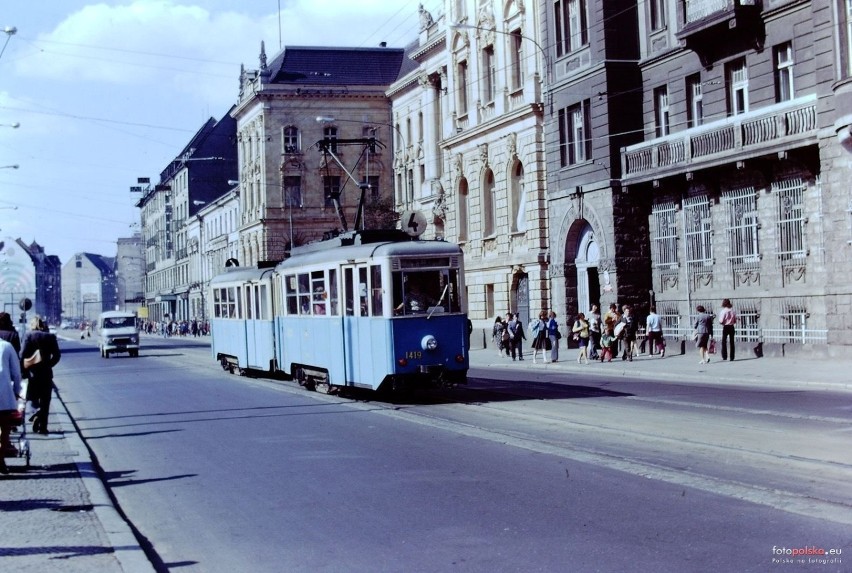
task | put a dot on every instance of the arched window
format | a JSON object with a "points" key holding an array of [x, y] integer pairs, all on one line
{"points": [[518, 197], [489, 206], [463, 210]]}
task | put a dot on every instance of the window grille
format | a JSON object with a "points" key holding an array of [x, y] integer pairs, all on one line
{"points": [[748, 320], [741, 211], [791, 218], [670, 318], [698, 231], [794, 324], [664, 237]]}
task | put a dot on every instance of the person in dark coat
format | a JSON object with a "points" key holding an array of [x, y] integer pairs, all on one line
{"points": [[8, 332], [40, 388]]}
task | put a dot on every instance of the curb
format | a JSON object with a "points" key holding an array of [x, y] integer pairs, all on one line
{"points": [[126, 548]]}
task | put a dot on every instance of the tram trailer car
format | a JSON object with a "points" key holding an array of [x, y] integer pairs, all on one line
{"points": [[242, 326], [367, 309]]}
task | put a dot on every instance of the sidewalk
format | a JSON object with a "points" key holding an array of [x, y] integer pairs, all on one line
{"points": [[57, 516], [775, 372]]}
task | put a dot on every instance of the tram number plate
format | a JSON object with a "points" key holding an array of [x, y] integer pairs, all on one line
{"points": [[414, 355]]}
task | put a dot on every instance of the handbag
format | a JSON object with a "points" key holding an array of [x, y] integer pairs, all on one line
{"points": [[33, 360], [711, 348], [558, 335]]}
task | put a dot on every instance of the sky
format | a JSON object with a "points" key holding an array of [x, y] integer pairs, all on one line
{"points": [[107, 92]]}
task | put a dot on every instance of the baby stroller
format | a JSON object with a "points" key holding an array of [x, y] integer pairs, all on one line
{"points": [[22, 444]]}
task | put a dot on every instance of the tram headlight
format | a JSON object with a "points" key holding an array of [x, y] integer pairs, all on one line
{"points": [[429, 342]]}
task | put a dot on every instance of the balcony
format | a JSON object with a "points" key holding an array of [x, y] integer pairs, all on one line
{"points": [[768, 130], [712, 27]]}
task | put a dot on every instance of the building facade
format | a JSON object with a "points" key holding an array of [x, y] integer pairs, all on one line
{"points": [[292, 167], [88, 286], [472, 115], [203, 171], [742, 165], [130, 273]]}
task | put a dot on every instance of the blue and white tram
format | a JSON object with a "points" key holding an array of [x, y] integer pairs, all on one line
{"points": [[365, 309], [242, 327]]}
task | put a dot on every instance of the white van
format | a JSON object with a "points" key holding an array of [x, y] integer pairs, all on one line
{"points": [[118, 331]]}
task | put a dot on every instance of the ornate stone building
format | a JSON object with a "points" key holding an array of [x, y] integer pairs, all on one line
{"points": [[701, 157], [287, 184], [472, 117]]}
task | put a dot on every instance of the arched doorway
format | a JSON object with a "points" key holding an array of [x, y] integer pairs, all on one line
{"points": [[586, 261], [520, 296]]}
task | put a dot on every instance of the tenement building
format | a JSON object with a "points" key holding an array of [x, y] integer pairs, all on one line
{"points": [[703, 155], [471, 113]]}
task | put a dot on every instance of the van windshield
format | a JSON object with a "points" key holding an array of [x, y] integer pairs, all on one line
{"points": [[120, 322]]}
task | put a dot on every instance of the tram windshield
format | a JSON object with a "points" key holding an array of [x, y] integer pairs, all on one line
{"points": [[426, 292]]}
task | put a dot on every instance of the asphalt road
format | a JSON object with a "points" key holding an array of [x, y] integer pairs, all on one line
{"points": [[224, 473]]}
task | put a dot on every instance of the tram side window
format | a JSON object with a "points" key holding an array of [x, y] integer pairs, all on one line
{"points": [[363, 292], [292, 295], [304, 294], [332, 292], [422, 292], [262, 302], [249, 305], [318, 292], [376, 289], [217, 303], [348, 292]]}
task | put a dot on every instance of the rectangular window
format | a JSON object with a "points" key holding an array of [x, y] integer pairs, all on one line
{"points": [[291, 139], [319, 295], [698, 231], [292, 191], [575, 144], [664, 238], [783, 58], [791, 218], [658, 14], [516, 57], [661, 110], [376, 290], [737, 77], [741, 210], [374, 192], [329, 134], [489, 75], [331, 189], [569, 17], [461, 92], [695, 101]]}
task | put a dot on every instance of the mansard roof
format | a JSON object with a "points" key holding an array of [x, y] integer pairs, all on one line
{"points": [[301, 65]]}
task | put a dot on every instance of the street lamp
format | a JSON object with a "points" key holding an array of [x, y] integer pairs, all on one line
{"points": [[9, 31], [13, 125], [15, 166]]}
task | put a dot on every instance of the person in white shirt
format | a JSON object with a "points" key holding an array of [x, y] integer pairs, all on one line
{"points": [[654, 333], [728, 319]]}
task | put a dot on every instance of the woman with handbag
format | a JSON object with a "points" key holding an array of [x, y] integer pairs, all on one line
{"points": [[40, 354], [581, 336], [540, 340], [704, 333]]}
